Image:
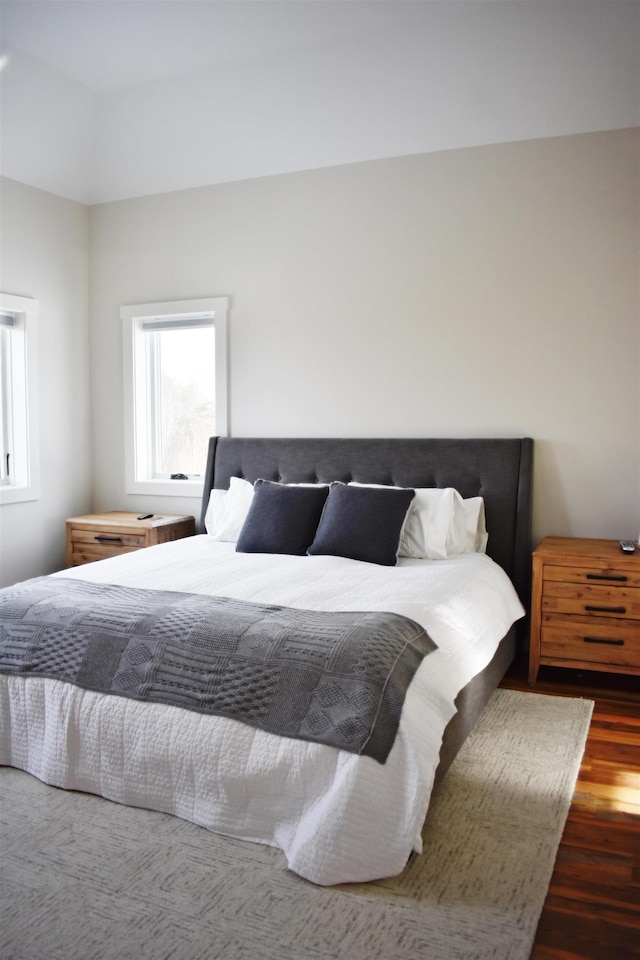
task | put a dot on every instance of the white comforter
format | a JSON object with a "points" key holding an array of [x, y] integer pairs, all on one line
{"points": [[337, 817]]}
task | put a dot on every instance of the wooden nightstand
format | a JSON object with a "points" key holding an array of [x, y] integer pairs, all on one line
{"points": [[585, 606], [99, 535]]}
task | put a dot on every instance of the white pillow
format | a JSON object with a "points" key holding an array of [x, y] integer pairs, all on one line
{"points": [[436, 525], [441, 525], [227, 510], [477, 535]]}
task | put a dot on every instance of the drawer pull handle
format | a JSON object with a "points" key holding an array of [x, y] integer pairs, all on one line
{"points": [[619, 577], [103, 536], [610, 641], [593, 609]]}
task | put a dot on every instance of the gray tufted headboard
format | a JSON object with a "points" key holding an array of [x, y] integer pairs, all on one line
{"points": [[499, 470]]}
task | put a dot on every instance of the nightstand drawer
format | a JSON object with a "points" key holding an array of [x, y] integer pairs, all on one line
{"points": [[87, 553], [591, 639], [595, 573], [588, 600], [106, 539], [86, 545]]}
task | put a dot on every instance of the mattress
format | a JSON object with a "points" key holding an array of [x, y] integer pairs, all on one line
{"points": [[337, 817]]}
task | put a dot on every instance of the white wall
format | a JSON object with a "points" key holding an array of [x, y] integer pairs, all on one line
{"points": [[44, 255], [483, 291]]}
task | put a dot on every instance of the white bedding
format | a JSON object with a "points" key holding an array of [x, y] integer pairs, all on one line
{"points": [[337, 817]]}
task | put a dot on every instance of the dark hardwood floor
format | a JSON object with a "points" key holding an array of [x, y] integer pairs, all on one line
{"points": [[592, 910]]}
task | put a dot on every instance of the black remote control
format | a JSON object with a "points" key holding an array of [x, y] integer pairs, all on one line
{"points": [[627, 546]]}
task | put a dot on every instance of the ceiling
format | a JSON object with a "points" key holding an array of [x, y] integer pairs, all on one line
{"points": [[112, 99], [107, 45]]}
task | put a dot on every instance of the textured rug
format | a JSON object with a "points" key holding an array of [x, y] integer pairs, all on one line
{"points": [[82, 878]]}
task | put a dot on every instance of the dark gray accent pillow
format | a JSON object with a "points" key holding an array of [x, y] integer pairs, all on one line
{"points": [[363, 523], [281, 518]]}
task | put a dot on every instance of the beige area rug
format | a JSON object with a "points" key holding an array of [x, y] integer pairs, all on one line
{"points": [[86, 879]]}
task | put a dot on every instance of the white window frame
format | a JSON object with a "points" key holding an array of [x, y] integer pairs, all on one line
{"points": [[19, 430], [136, 397]]}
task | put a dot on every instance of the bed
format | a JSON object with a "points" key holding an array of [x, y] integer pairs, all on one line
{"points": [[322, 803]]}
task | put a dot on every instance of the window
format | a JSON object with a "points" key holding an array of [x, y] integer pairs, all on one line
{"points": [[175, 392], [19, 479]]}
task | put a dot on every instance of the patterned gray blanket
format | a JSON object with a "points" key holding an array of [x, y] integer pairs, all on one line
{"points": [[332, 678]]}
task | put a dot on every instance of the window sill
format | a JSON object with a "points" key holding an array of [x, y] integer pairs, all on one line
{"points": [[11, 494], [166, 488]]}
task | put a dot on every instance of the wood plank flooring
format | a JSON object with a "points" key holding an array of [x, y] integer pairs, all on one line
{"points": [[592, 910]]}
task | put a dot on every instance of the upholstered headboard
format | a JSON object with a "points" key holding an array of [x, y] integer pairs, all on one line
{"points": [[499, 470]]}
